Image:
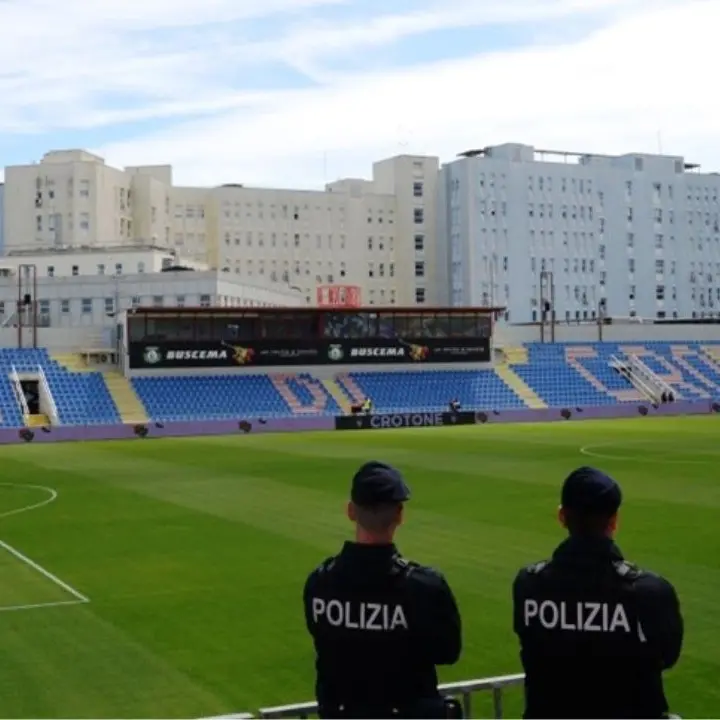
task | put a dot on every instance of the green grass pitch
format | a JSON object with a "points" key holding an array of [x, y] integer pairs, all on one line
{"points": [[193, 554]]}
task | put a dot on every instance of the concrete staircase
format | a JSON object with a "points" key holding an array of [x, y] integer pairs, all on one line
{"points": [[516, 355], [519, 387], [72, 362], [125, 398], [37, 421], [349, 388], [338, 395]]}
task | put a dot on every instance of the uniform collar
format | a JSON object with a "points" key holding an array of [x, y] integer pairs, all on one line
{"points": [[585, 550], [371, 553]]}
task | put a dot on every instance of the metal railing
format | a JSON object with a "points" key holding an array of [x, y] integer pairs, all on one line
{"points": [[650, 377], [463, 690], [625, 369], [19, 394], [52, 407]]}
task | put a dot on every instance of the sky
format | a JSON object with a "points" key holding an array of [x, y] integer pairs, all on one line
{"points": [[297, 93]]}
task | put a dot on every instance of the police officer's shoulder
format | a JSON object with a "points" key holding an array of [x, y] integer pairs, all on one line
{"points": [[528, 572], [420, 575], [645, 581], [323, 568]]}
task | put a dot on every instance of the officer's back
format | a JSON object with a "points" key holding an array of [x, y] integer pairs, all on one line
{"points": [[596, 633], [380, 624]]}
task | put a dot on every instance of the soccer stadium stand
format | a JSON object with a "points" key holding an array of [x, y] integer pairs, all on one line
{"points": [[79, 398], [534, 376], [222, 397]]}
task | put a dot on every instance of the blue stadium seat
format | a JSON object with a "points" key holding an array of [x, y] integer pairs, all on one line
{"points": [[432, 390], [227, 397], [80, 398]]}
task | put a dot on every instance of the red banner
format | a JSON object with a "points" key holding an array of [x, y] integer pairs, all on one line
{"points": [[339, 296]]}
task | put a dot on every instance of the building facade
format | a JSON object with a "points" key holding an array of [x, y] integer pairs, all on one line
{"points": [[632, 235], [93, 300], [2, 209], [377, 234], [76, 262]]}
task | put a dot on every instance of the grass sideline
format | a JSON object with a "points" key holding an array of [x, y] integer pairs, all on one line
{"points": [[193, 553]]}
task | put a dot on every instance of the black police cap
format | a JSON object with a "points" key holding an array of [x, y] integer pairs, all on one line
{"points": [[376, 483], [589, 491]]}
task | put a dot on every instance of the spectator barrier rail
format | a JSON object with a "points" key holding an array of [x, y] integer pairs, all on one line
{"points": [[463, 690]]}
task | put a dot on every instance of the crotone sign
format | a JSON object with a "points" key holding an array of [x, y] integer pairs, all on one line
{"points": [[403, 420]]}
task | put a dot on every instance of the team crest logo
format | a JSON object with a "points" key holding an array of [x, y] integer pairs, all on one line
{"points": [[418, 352], [152, 355], [335, 353], [242, 355]]}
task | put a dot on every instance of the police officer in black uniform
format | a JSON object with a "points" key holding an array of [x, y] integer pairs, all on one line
{"points": [[380, 624], [596, 633]]}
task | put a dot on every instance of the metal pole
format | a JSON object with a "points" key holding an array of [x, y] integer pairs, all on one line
{"points": [[552, 307], [540, 300]]}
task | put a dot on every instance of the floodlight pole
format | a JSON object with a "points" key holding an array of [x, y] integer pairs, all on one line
{"points": [[547, 304], [27, 301]]}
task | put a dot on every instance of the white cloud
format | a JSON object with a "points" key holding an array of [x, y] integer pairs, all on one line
{"points": [[647, 68], [610, 92]]}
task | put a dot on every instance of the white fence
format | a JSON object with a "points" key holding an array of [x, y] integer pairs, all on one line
{"points": [[463, 690]]}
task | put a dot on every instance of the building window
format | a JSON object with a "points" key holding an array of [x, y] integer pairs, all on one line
{"points": [[109, 306], [101, 269], [64, 306], [419, 243], [44, 307], [157, 301], [86, 305], [418, 216], [118, 268], [204, 301], [419, 295], [419, 269], [417, 189], [180, 301], [141, 267], [84, 188], [75, 270], [135, 302], [51, 271]]}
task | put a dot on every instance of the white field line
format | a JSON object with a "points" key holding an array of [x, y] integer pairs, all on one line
{"points": [[45, 573], [62, 603], [52, 496], [79, 597]]}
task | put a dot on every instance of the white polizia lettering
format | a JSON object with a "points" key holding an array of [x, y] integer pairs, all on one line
{"points": [[359, 616], [579, 616]]}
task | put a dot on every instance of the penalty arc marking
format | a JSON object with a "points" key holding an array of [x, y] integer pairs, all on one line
{"points": [[641, 454], [78, 597]]}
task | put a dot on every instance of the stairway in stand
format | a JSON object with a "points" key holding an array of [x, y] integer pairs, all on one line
{"points": [[519, 387], [72, 362], [336, 392], [128, 404]]}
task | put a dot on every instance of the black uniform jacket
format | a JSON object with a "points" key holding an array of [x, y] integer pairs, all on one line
{"points": [[596, 634], [380, 625]]}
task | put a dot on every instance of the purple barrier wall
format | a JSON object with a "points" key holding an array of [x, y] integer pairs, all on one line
{"points": [[595, 413], [178, 429], [258, 425]]}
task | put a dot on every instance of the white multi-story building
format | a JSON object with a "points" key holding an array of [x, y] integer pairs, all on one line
{"points": [[378, 235], [93, 300], [637, 234], [2, 209]]}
